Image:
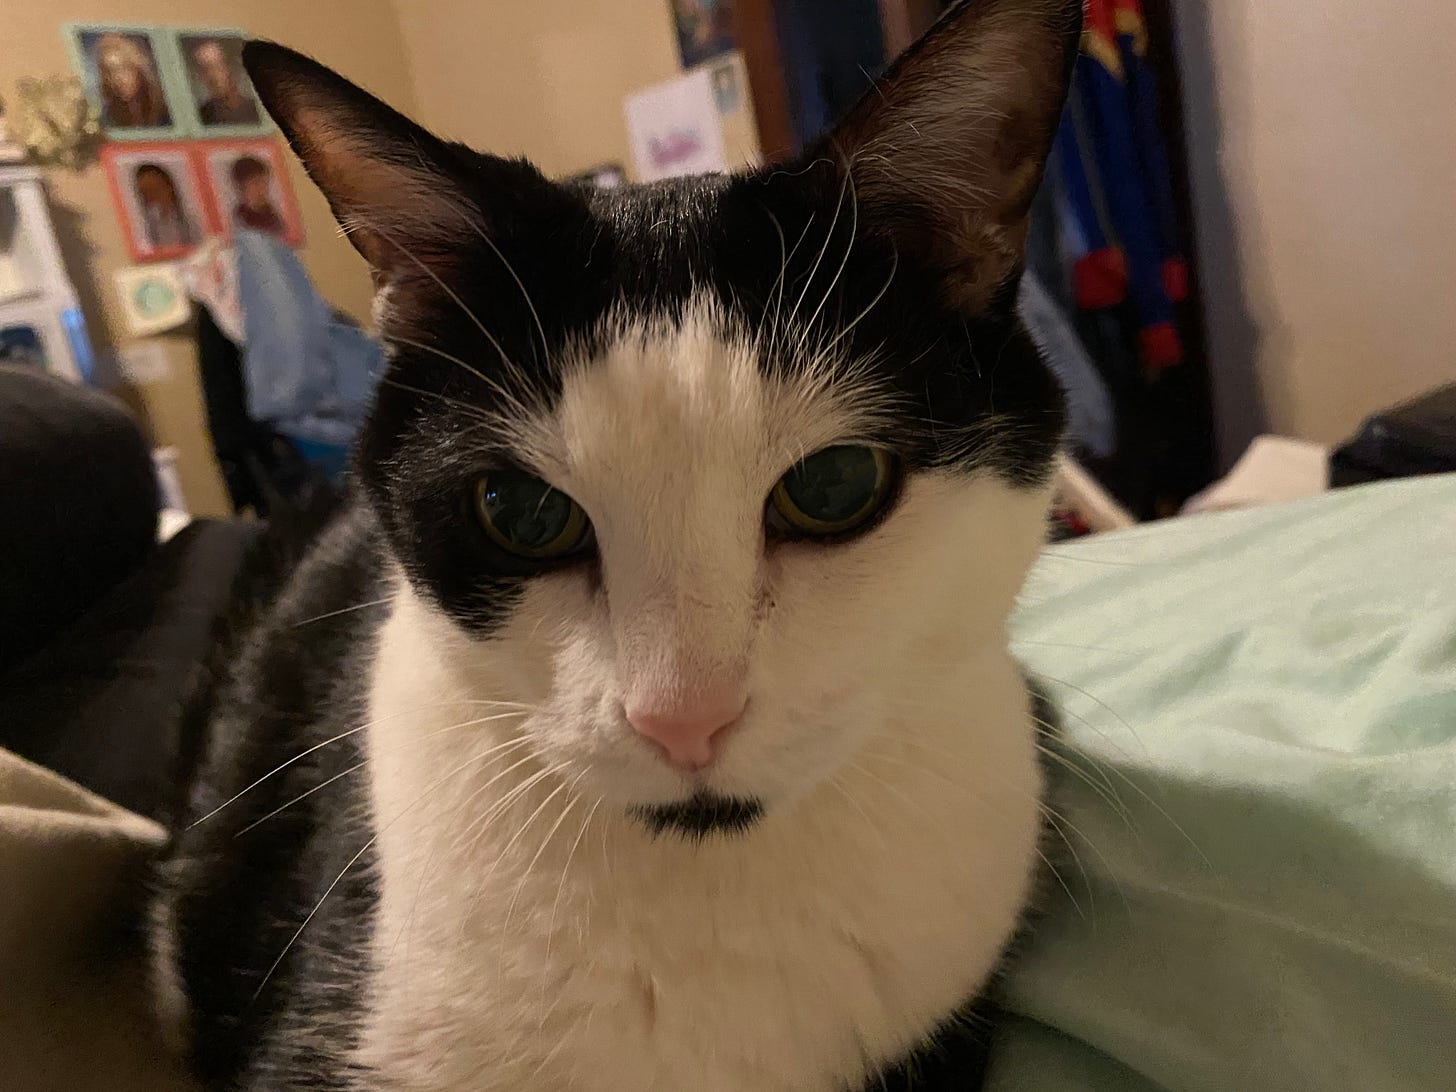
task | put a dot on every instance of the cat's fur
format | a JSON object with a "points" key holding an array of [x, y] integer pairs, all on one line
{"points": [[418, 849]]}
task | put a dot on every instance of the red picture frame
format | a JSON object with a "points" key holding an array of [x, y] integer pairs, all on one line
{"points": [[162, 199], [274, 209], [171, 195]]}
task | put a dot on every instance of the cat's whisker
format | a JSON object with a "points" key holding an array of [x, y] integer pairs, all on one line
{"points": [[471, 315], [513, 403], [344, 610], [526, 296], [560, 889], [823, 250], [479, 413], [566, 787], [894, 789], [479, 827], [529, 871], [482, 822], [849, 329], [509, 747], [342, 736], [844, 261], [1059, 555], [511, 743], [1079, 648], [854, 803], [1147, 798], [379, 833], [1106, 791]]}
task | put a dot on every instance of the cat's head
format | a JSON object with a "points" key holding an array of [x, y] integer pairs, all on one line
{"points": [[724, 476]]}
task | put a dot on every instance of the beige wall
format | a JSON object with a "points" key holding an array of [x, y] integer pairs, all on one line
{"points": [[360, 37], [1324, 160], [544, 77]]}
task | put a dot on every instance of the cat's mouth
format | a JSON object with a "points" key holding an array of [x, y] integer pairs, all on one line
{"points": [[702, 814]]}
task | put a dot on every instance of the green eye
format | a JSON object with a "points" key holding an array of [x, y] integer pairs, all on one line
{"points": [[832, 491], [529, 518]]}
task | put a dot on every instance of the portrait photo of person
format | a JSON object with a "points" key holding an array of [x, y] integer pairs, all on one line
{"points": [[165, 220], [221, 95], [122, 73], [159, 197], [250, 188], [253, 184]]}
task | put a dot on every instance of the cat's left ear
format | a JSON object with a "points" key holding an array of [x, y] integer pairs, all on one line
{"points": [[947, 151]]}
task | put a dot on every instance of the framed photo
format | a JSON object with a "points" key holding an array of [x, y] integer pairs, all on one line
{"points": [[160, 199], [250, 188], [153, 297], [216, 98], [127, 74], [704, 29]]}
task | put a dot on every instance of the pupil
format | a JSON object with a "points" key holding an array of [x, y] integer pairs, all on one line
{"points": [[526, 510], [834, 484]]}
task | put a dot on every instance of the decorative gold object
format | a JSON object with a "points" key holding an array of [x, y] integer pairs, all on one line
{"points": [[56, 125]]}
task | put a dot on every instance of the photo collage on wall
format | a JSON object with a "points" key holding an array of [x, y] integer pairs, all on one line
{"points": [[190, 152]]}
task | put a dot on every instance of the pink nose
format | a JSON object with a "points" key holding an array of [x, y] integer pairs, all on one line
{"points": [[686, 731]]}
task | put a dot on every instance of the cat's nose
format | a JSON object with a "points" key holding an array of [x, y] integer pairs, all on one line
{"points": [[686, 730]]}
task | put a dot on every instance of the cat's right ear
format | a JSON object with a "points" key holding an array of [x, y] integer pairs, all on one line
{"points": [[400, 193]]}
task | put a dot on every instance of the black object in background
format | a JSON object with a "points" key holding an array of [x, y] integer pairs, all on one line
{"points": [[1416, 437], [78, 504], [102, 703], [260, 466], [831, 52]]}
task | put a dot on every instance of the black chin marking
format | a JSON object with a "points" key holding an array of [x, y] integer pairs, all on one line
{"points": [[702, 814]]}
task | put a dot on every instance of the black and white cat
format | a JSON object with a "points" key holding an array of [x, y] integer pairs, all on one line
{"points": [[646, 721]]}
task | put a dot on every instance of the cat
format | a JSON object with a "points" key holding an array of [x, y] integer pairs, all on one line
{"points": [[645, 719]]}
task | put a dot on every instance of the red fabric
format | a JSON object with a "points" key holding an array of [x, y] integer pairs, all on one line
{"points": [[1101, 18], [1100, 279], [1161, 346], [1175, 279]]}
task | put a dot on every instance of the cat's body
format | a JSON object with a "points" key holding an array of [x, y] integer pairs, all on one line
{"points": [[825, 947], [645, 781]]}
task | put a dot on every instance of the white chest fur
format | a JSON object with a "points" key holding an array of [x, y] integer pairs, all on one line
{"points": [[548, 948]]}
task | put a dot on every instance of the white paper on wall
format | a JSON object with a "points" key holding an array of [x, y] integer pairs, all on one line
{"points": [[674, 128]]}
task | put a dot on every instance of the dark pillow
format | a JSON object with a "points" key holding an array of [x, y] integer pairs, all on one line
{"points": [[78, 504]]}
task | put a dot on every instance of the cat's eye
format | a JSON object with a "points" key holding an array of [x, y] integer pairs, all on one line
{"points": [[529, 518], [832, 492]]}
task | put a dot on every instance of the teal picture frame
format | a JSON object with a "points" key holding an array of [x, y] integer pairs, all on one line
{"points": [[182, 45], [147, 53]]}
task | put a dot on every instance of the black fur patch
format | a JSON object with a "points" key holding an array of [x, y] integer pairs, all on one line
{"points": [[262, 831], [702, 814]]}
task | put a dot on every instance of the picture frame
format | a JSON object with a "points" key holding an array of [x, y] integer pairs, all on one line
{"points": [[153, 298], [129, 75], [249, 186], [704, 29], [161, 198], [214, 95]]}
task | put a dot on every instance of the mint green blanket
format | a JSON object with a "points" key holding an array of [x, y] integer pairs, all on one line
{"points": [[1266, 828]]}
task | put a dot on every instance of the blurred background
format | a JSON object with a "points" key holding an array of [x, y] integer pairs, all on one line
{"points": [[1247, 230]]}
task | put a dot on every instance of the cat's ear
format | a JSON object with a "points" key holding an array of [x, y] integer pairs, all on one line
{"points": [[400, 193], [947, 151]]}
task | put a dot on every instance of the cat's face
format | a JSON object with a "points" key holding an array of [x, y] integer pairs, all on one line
{"points": [[718, 478]]}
